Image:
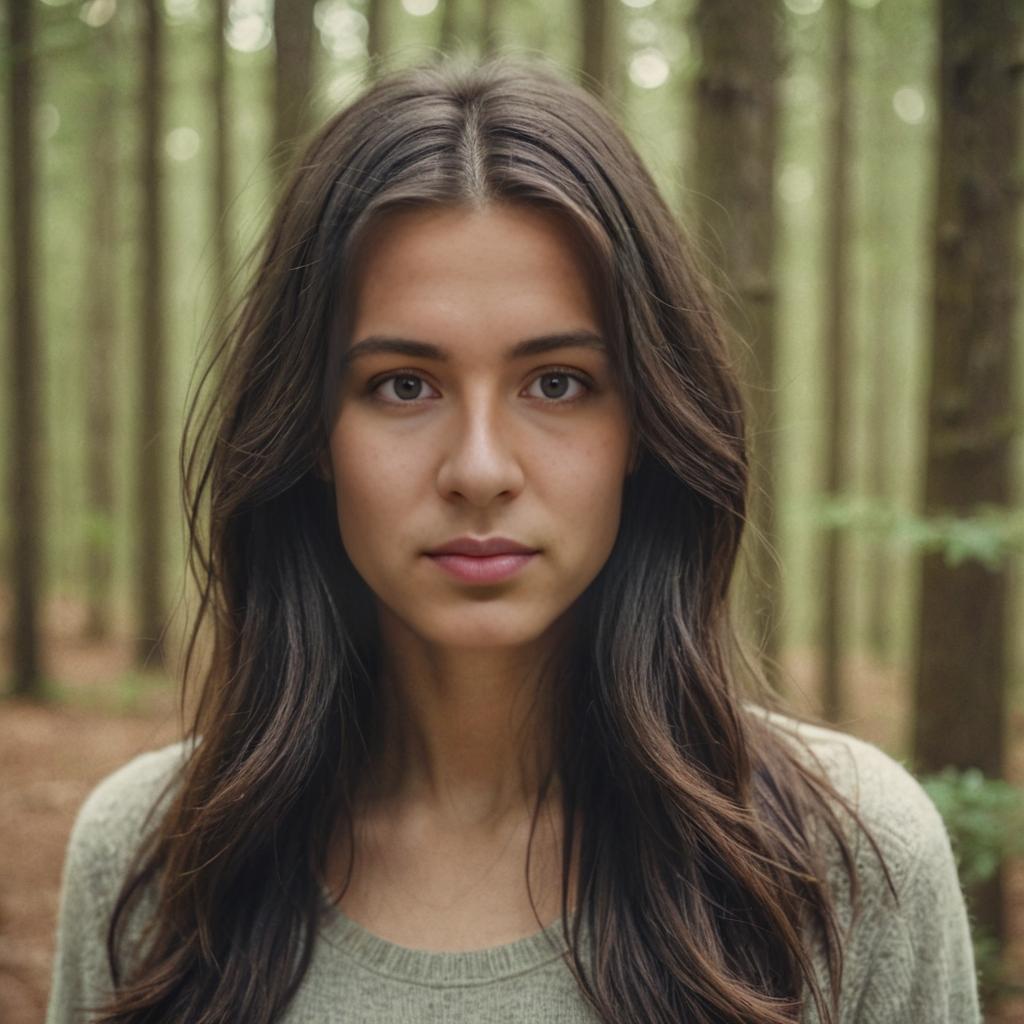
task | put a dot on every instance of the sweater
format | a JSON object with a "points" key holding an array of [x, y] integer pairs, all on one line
{"points": [[911, 964]]}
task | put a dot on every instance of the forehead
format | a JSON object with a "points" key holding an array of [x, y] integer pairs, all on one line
{"points": [[521, 270]]}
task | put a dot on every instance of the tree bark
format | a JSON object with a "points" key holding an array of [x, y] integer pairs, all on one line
{"points": [[449, 25], [151, 500], [597, 54], [221, 165], [26, 426], [962, 644], [488, 27], [886, 385], [293, 78], [838, 362], [735, 121], [376, 37], [101, 310]]}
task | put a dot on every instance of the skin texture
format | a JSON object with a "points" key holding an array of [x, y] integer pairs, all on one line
{"points": [[482, 446]]}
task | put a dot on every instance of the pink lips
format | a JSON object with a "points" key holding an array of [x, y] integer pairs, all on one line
{"points": [[486, 560]]}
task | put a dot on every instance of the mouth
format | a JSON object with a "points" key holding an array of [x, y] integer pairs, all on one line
{"points": [[481, 547], [483, 568]]}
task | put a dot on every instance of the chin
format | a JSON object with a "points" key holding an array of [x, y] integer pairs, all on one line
{"points": [[481, 627]]}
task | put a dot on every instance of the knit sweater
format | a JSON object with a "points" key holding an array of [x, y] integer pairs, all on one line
{"points": [[911, 964]]}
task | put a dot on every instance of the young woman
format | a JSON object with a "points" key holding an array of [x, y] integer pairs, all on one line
{"points": [[465, 503]]}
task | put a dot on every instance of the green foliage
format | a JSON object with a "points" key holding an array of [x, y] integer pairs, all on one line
{"points": [[991, 535], [985, 818], [130, 693]]}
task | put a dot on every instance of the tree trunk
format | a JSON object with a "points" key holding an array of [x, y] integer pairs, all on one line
{"points": [[101, 311], [886, 383], [221, 166], [838, 363], [26, 426], [488, 27], [449, 26], [376, 37], [597, 61], [962, 643], [293, 79], [735, 121], [151, 500]]}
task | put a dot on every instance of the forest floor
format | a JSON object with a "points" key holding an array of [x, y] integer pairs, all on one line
{"points": [[52, 755]]}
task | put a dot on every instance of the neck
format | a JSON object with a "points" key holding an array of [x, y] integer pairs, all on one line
{"points": [[467, 738]]}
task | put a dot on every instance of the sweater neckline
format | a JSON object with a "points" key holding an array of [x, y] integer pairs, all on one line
{"points": [[433, 967]]}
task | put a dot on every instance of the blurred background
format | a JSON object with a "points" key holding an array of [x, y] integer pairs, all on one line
{"points": [[850, 174]]}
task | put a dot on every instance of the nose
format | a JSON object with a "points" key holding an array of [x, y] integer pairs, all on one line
{"points": [[480, 463]]}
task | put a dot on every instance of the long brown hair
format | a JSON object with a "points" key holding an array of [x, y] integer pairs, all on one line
{"points": [[701, 874]]}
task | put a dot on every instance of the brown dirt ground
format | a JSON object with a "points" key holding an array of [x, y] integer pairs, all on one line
{"points": [[51, 756]]}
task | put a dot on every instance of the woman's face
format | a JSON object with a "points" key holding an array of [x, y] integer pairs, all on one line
{"points": [[463, 436]]}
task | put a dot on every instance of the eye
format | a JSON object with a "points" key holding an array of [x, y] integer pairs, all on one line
{"points": [[559, 381], [408, 388]]}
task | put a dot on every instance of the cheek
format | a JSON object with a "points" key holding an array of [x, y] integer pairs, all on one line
{"points": [[586, 488], [369, 486]]}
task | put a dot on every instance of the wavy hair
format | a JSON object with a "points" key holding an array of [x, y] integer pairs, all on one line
{"points": [[700, 876]]}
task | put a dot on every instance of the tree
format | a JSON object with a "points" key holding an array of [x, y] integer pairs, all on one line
{"points": [[961, 664], [293, 63], [220, 191], [597, 55], [151, 501], [488, 26], [884, 337], [839, 363], [25, 431], [100, 287], [376, 36], [449, 25], [734, 174]]}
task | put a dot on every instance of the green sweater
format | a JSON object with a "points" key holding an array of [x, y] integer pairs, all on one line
{"points": [[912, 965]]}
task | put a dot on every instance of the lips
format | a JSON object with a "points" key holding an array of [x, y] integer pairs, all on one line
{"points": [[482, 547]]}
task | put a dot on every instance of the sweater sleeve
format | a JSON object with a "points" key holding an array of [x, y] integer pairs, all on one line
{"points": [[921, 966], [905, 961], [80, 976], [106, 832]]}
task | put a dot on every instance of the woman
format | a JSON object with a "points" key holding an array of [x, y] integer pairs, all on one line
{"points": [[470, 746]]}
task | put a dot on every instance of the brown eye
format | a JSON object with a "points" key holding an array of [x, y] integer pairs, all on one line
{"points": [[407, 388], [556, 384]]}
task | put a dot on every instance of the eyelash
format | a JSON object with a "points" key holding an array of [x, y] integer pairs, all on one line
{"points": [[550, 372]]}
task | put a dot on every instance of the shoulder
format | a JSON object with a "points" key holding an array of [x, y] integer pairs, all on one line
{"points": [[120, 807], [891, 802], [908, 950], [108, 829]]}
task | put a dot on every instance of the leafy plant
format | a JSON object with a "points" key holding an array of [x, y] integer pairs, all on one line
{"points": [[991, 535], [985, 820]]}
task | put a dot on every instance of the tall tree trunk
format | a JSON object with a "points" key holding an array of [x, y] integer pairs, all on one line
{"points": [[293, 79], [962, 644], [886, 386], [151, 501], [376, 37], [26, 427], [221, 164], [597, 55], [449, 25], [735, 121], [838, 362], [488, 27], [101, 311]]}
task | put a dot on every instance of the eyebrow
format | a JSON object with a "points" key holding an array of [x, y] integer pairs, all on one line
{"points": [[377, 343]]}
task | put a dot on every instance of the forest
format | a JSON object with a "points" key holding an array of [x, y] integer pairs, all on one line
{"points": [[850, 173]]}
